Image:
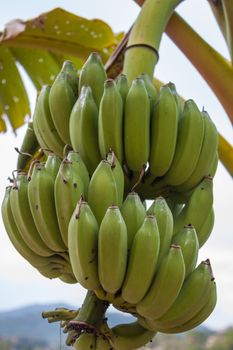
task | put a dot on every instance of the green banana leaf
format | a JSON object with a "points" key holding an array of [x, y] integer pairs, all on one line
{"points": [[40, 46], [13, 96]]}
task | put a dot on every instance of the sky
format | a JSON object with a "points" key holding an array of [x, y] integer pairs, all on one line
{"points": [[21, 284]]}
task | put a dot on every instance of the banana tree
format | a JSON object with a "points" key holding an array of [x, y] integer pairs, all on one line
{"points": [[71, 215]]}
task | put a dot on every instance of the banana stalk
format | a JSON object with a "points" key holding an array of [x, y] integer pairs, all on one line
{"points": [[215, 69], [142, 48], [89, 318]]}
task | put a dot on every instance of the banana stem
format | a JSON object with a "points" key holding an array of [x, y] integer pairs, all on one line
{"points": [[58, 315], [214, 68], [90, 317], [142, 50]]}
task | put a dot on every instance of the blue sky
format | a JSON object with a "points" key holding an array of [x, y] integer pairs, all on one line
{"points": [[20, 283]]}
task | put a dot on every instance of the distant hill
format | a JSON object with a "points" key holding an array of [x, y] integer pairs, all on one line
{"points": [[27, 323], [24, 328]]}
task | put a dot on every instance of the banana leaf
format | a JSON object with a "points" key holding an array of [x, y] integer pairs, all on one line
{"points": [[13, 96], [40, 45]]}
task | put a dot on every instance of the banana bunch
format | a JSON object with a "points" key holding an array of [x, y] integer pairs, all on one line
{"points": [[37, 208], [79, 212], [156, 138], [125, 253]]}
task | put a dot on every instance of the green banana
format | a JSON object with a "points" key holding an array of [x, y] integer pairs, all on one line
{"points": [[37, 130], [68, 188], [165, 286], [133, 213], [80, 167], [50, 271], [206, 229], [102, 343], [39, 262], [85, 341], [102, 190], [174, 207], [130, 336], [93, 74], [161, 211], [164, 126], [142, 261], [197, 207], [69, 69], [179, 197], [28, 147], [192, 297], [214, 165], [122, 87], [118, 175], [52, 164], [57, 267], [188, 147], [207, 155], [42, 205], [110, 123], [83, 246], [68, 278], [14, 234], [112, 250], [23, 218], [137, 126], [151, 90], [200, 317], [61, 102], [187, 239], [84, 128], [179, 100], [45, 122]]}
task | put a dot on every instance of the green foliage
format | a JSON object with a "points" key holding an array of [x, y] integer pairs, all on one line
{"points": [[13, 96], [40, 46]]}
